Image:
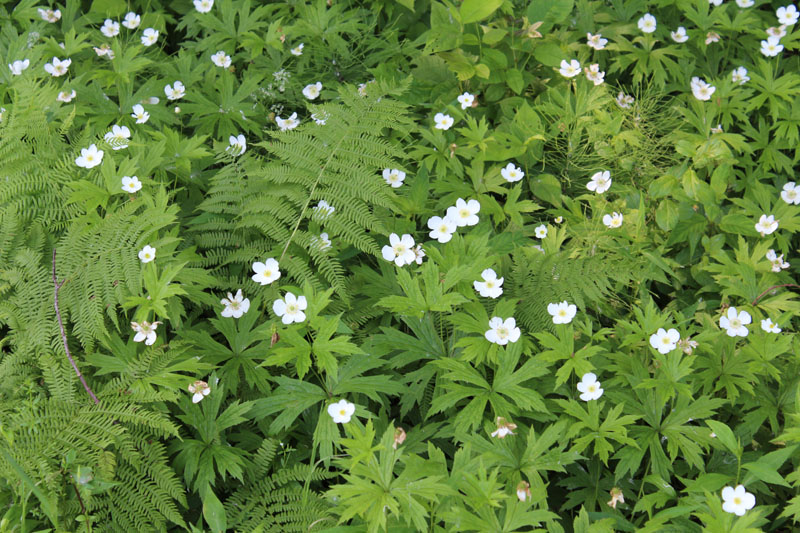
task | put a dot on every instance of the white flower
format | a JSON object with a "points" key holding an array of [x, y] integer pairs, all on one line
{"points": [[512, 173], [571, 69], [596, 41], [419, 254], [312, 90], [540, 231], [266, 272], [140, 114], [701, 90], [769, 326], [779, 31], [400, 249], [589, 387], [118, 137], [523, 491], [600, 182], [175, 92], [737, 501], [341, 411], [739, 75], [147, 254], [291, 308], [203, 6], [687, 345], [679, 35], [235, 306], [614, 220], [594, 74], [321, 118], [625, 100], [442, 229], [787, 15], [145, 332], [466, 100], [491, 286], [323, 209], [665, 341], [18, 66], [777, 261], [90, 157], [394, 177], [131, 184], [562, 312], [502, 331], [48, 15], [131, 21], [745, 3], [559, 219], [771, 47], [647, 23], [289, 123], [791, 193], [504, 428], [149, 36], [712, 37], [199, 390], [715, 2], [104, 50], [66, 97], [766, 224], [297, 50], [238, 145], [734, 322], [221, 59], [464, 213], [57, 67], [110, 28], [322, 241], [717, 129], [442, 121]]}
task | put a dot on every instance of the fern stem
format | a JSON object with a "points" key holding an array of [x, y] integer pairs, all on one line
{"points": [[310, 194], [56, 287], [773, 288]]}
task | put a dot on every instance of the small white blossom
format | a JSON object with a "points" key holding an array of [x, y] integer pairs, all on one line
{"points": [[745, 3], [145, 332], [140, 114], [717, 129], [570, 69], [400, 250], [393, 177], [715, 2], [221, 59], [665, 341], [118, 137], [131, 184], [297, 50], [502, 331], [149, 36], [49, 15], [540, 231], [235, 306], [600, 182], [320, 118], [131, 21], [769, 326], [679, 35], [466, 100], [734, 322], [175, 91], [66, 97], [739, 75], [594, 74], [323, 210], [18, 66], [491, 286], [511, 173], [110, 28], [777, 261], [562, 312], [238, 145], [464, 213], [290, 308], [776, 31], [199, 390], [203, 6], [737, 501], [322, 241], [712, 37], [787, 15], [57, 67], [442, 121], [442, 229], [647, 23], [419, 254], [523, 491], [766, 224], [614, 220], [289, 123], [104, 50], [791, 193], [504, 428], [771, 47], [147, 254], [312, 90], [266, 272], [589, 387], [625, 100], [701, 90], [596, 41], [341, 411], [90, 157]]}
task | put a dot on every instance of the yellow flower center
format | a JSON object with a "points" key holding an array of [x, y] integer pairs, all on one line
{"points": [[291, 309], [502, 332], [591, 388], [147, 256], [489, 284], [665, 340], [400, 249], [342, 412], [737, 501], [268, 273], [562, 312]]}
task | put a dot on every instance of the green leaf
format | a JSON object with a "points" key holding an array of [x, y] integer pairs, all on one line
{"points": [[475, 10], [214, 513], [48, 506], [514, 80]]}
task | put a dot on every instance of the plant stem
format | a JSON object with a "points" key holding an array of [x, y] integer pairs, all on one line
{"points": [[56, 287], [772, 288]]}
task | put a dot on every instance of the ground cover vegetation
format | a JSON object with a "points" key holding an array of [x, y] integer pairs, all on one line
{"points": [[399, 265]]}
